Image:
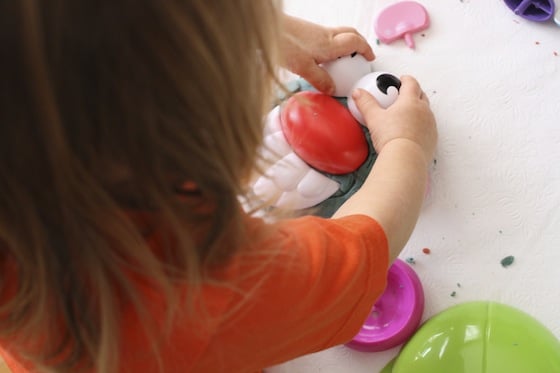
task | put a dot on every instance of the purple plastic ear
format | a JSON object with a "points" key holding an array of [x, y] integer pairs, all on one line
{"points": [[532, 10]]}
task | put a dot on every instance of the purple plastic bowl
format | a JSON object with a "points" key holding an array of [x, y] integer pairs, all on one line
{"points": [[532, 10], [397, 313]]}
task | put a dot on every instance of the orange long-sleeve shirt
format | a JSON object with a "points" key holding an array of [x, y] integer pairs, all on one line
{"points": [[312, 291]]}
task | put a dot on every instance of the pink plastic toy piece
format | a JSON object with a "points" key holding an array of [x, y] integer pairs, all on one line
{"points": [[401, 20], [397, 313]]}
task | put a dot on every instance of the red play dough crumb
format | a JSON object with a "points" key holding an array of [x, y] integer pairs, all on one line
{"points": [[426, 251]]}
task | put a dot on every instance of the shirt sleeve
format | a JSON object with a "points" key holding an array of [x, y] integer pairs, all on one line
{"points": [[307, 286]]}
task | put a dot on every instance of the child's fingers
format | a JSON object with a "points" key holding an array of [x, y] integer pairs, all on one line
{"points": [[349, 42], [366, 103], [424, 97], [410, 87], [318, 78]]}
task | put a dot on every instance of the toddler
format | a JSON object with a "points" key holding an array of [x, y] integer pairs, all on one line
{"points": [[128, 130]]}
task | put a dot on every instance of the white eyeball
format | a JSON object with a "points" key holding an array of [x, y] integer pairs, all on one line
{"points": [[383, 86], [345, 71]]}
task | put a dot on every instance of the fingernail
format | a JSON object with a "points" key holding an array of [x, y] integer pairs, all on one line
{"points": [[356, 94]]}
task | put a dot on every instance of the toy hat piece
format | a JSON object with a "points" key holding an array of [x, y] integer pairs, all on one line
{"points": [[532, 10], [401, 20], [396, 314], [480, 337]]}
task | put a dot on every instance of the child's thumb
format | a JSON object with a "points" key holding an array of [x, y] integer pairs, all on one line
{"points": [[366, 104], [319, 78]]}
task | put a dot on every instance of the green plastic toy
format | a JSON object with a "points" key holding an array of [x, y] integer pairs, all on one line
{"points": [[479, 337]]}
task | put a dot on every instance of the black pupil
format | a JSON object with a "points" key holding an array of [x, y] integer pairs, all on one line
{"points": [[384, 81]]}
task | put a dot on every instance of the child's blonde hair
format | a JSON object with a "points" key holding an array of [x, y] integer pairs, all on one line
{"points": [[108, 107]]}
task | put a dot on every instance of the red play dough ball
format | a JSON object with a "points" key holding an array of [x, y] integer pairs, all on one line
{"points": [[323, 133]]}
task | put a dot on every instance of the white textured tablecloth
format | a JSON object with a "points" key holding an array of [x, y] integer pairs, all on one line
{"points": [[493, 80]]}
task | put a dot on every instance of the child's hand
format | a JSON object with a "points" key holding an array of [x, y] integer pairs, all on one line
{"points": [[305, 45], [409, 117], [405, 137]]}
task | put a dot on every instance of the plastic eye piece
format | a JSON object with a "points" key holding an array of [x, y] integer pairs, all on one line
{"points": [[384, 81], [383, 86], [345, 71]]}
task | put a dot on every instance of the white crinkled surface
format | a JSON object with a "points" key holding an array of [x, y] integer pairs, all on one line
{"points": [[494, 83]]}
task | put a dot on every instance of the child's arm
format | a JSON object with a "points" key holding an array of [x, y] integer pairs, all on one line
{"points": [[404, 135]]}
